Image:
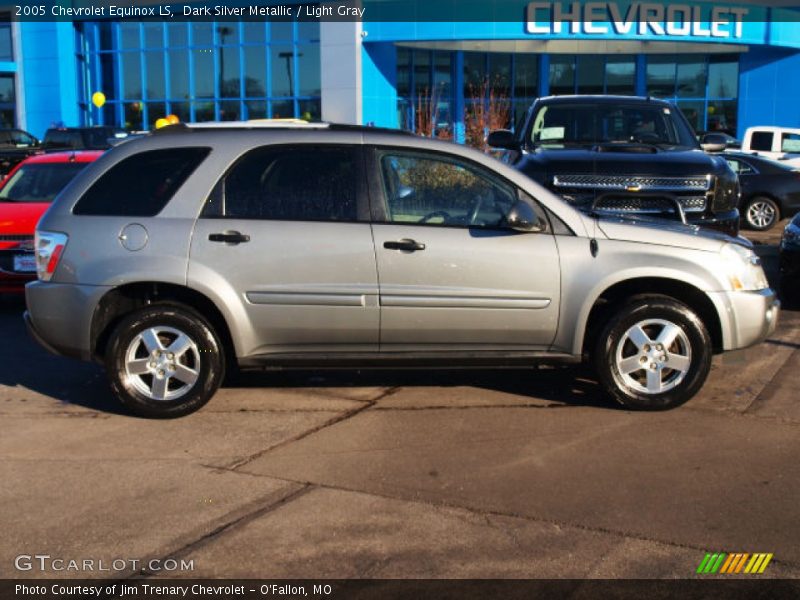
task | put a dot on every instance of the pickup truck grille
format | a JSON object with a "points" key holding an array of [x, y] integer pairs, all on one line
{"points": [[634, 183], [635, 194], [691, 204]]}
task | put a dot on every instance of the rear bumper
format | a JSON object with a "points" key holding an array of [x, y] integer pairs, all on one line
{"points": [[59, 316], [26, 316]]}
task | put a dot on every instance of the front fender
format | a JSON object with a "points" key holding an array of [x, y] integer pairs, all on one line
{"points": [[585, 278]]}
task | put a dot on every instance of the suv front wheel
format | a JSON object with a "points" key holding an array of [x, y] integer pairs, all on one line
{"points": [[654, 354], [164, 361]]}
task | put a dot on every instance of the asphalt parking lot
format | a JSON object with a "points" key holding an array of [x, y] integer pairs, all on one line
{"points": [[518, 474]]}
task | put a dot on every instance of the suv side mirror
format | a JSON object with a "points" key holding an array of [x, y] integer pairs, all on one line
{"points": [[714, 142], [503, 138], [522, 217]]}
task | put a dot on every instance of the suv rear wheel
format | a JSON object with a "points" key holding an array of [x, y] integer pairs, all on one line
{"points": [[164, 361], [654, 354]]}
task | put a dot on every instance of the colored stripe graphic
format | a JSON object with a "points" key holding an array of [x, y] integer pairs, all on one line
{"points": [[765, 563], [711, 562], [734, 563], [727, 563], [754, 562], [730, 564], [740, 565], [703, 563], [718, 563]]}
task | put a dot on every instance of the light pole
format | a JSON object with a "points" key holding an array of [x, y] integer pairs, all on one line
{"points": [[222, 31], [288, 56]]}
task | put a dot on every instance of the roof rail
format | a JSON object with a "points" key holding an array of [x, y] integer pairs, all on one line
{"points": [[285, 124]]}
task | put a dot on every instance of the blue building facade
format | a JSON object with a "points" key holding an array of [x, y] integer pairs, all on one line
{"points": [[732, 68], [727, 67]]}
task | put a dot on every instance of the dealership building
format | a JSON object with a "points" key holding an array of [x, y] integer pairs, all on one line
{"points": [[727, 66]]}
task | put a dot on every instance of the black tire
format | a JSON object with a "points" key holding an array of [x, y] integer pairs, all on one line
{"points": [[616, 344], [761, 213], [191, 376]]}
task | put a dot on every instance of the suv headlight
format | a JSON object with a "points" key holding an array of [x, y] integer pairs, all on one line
{"points": [[743, 268]]}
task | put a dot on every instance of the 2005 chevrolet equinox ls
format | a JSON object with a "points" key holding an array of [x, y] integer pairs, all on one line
{"points": [[198, 249]]}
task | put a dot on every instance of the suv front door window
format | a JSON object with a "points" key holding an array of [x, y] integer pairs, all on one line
{"points": [[421, 189]]}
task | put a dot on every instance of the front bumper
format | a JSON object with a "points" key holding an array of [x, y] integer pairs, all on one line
{"points": [[12, 281], [748, 318]]}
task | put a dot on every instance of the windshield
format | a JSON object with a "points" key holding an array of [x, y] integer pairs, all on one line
{"points": [[39, 182], [564, 125]]}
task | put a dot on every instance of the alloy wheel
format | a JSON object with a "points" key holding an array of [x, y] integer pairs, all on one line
{"points": [[761, 214], [162, 363], [653, 356]]}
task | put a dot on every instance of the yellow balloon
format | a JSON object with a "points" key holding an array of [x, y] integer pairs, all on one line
{"points": [[98, 99], [173, 119], [162, 122]]}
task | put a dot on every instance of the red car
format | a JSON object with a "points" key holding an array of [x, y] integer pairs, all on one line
{"points": [[25, 194]]}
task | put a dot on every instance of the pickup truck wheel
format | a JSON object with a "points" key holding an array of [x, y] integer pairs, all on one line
{"points": [[164, 361], [761, 213], [654, 354]]}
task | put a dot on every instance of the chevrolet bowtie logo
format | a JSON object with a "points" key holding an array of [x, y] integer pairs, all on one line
{"points": [[633, 188]]}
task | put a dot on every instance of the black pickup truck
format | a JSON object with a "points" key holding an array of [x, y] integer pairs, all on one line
{"points": [[623, 155], [15, 146]]}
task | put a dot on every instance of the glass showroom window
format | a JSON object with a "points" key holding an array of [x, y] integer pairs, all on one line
{"points": [[200, 71], [7, 101], [425, 91], [6, 40], [704, 87], [427, 79], [592, 74]]}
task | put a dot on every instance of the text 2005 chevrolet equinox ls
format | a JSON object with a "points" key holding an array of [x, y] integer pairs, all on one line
{"points": [[196, 249]]}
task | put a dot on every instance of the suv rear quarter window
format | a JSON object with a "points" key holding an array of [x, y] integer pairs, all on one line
{"points": [[140, 185]]}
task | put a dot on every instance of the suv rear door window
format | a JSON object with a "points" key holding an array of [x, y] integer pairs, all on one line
{"points": [[309, 183], [142, 184]]}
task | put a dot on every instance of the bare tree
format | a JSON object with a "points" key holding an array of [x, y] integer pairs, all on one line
{"points": [[425, 115], [487, 109]]}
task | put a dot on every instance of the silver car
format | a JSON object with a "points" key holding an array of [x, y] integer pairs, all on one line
{"points": [[195, 250]]}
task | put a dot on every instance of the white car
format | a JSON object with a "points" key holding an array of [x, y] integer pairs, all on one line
{"points": [[777, 143]]}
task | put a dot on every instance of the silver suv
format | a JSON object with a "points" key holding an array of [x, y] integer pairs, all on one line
{"points": [[196, 250]]}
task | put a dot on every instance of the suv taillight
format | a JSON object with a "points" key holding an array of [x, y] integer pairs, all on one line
{"points": [[49, 248]]}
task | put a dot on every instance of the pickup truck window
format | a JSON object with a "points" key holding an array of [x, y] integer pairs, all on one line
{"points": [[761, 140], [790, 142], [563, 125]]}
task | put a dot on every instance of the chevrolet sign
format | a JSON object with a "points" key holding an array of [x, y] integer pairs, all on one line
{"points": [[638, 18]]}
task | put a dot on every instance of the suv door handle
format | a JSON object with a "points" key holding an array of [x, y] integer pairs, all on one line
{"points": [[229, 237], [407, 245]]}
